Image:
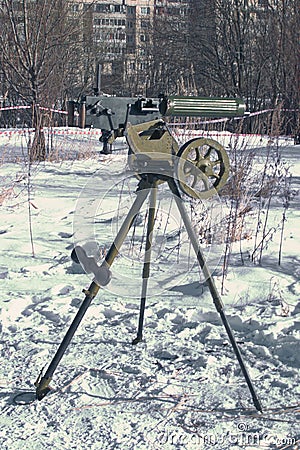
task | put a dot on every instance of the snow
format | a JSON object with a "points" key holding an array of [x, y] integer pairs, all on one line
{"points": [[182, 386]]}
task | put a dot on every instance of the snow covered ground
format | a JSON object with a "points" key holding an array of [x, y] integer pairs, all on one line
{"points": [[181, 388]]}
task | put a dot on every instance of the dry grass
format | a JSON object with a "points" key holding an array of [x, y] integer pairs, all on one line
{"points": [[63, 147], [254, 182], [6, 194]]}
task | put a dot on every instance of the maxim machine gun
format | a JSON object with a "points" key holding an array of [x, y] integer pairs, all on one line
{"points": [[141, 120], [198, 168]]}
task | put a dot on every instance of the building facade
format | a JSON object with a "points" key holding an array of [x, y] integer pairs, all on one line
{"points": [[121, 33], [130, 38]]}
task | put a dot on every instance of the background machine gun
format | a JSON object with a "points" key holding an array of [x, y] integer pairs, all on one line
{"points": [[198, 168], [111, 114], [141, 120]]}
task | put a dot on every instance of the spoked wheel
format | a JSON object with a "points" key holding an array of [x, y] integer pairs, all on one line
{"points": [[202, 167]]}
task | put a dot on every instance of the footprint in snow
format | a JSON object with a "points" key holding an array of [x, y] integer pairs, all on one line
{"points": [[3, 272], [62, 289], [65, 235], [49, 315]]}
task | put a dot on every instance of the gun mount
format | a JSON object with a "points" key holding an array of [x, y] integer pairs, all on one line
{"points": [[201, 165]]}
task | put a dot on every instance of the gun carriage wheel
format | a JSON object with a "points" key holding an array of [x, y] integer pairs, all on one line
{"points": [[202, 167]]}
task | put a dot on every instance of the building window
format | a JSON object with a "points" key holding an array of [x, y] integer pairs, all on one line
{"points": [[130, 10], [145, 10], [145, 24], [159, 10], [99, 7], [263, 3], [107, 68]]}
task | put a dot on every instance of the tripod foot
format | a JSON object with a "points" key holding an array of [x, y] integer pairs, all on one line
{"points": [[257, 404], [138, 339], [42, 387]]}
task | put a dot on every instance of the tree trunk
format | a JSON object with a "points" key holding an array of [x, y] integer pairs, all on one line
{"points": [[37, 150]]}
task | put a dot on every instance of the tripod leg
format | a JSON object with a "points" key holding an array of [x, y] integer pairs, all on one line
{"points": [[42, 383], [147, 260], [213, 290]]}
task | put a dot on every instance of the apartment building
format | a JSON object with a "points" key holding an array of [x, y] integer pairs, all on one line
{"points": [[128, 34], [122, 35]]}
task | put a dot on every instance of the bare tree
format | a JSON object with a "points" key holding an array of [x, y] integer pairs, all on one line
{"points": [[171, 70], [246, 49], [286, 79], [35, 42]]}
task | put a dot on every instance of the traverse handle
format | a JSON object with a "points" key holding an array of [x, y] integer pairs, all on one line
{"points": [[89, 265]]}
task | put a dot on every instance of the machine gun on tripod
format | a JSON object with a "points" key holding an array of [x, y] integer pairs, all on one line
{"points": [[199, 168]]}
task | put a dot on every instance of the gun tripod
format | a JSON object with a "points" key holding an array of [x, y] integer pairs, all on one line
{"points": [[147, 186]]}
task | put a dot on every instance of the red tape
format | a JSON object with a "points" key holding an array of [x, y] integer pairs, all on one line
{"points": [[58, 131], [10, 108]]}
